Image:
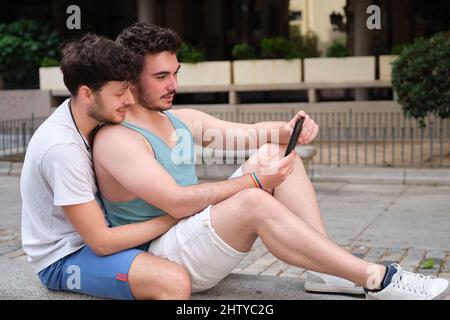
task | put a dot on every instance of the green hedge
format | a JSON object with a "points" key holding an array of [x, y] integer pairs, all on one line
{"points": [[189, 54], [421, 77], [303, 46]]}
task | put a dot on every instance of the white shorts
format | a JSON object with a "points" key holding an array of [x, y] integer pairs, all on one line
{"points": [[194, 244]]}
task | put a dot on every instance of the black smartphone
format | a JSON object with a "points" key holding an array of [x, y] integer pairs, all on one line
{"points": [[295, 134]]}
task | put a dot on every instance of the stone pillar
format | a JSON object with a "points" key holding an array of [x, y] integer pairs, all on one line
{"points": [[146, 11], [362, 40]]}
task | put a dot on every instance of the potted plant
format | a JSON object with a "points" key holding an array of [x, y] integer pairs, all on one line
{"points": [[337, 66], [50, 75], [196, 72], [279, 64]]}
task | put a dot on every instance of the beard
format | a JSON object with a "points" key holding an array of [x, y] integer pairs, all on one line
{"points": [[97, 111], [149, 103]]}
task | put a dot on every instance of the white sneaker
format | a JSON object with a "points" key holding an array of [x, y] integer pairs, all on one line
{"points": [[321, 282], [412, 286]]}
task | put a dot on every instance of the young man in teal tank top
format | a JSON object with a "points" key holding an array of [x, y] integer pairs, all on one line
{"points": [[145, 168]]}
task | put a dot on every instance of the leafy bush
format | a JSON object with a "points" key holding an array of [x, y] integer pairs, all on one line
{"points": [[23, 46], [304, 46], [243, 51], [300, 46], [275, 48], [49, 62], [421, 77], [337, 50], [397, 49], [189, 54]]}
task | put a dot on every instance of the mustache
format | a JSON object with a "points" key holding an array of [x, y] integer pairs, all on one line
{"points": [[171, 93]]}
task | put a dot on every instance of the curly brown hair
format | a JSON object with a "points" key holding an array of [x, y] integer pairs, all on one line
{"points": [[145, 38], [95, 60]]}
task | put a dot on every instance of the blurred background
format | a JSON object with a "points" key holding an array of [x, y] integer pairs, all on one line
{"points": [[373, 73]]}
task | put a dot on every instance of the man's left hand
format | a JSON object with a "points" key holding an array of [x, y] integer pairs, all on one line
{"points": [[309, 129]]}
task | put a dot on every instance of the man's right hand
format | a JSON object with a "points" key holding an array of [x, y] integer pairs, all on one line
{"points": [[272, 171]]}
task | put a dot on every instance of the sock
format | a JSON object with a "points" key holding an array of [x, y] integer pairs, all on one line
{"points": [[390, 271]]}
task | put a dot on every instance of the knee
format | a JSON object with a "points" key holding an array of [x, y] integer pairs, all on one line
{"points": [[252, 196], [179, 287], [257, 202]]}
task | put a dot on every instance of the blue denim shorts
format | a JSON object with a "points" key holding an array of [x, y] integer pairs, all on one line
{"points": [[85, 272]]}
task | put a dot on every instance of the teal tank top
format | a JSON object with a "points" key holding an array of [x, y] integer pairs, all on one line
{"points": [[179, 163]]}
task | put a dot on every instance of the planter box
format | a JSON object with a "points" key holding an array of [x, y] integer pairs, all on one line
{"points": [[276, 71], [208, 73], [339, 69], [386, 67], [51, 79]]}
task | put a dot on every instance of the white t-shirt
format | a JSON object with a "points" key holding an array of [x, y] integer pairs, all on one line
{"points": [[57, 171]]}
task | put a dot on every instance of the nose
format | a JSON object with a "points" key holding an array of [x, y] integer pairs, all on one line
{"points": [[173, 83], [129, 98]]}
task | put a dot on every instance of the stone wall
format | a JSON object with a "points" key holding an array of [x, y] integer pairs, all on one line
{"points": [[18, 104]]}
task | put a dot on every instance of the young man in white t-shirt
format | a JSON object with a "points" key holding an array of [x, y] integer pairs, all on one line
{"points": [[64, 231]]}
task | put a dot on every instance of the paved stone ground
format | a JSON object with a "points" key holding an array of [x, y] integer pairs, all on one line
{"points": [[380, 223]]}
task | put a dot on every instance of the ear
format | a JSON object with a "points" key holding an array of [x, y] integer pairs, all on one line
{"points": [[85, 94]]}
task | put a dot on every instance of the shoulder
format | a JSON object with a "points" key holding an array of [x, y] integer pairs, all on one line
{"points": [[113, 138], [66, 157], [188, 116], [185, 114], [113, 134]]}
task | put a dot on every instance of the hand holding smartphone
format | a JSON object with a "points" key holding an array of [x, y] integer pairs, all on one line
{"points": [[295, 134]]}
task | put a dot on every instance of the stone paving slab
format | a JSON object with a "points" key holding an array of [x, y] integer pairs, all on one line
{"points": [[379, 223]]}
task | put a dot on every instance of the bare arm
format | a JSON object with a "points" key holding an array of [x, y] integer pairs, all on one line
{"points": [[129, 161], [89, 221], [214, 133], [224, 135]]}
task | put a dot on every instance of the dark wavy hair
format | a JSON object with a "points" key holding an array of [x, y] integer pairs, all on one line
{"points": [[145, 38], [94, 60]]}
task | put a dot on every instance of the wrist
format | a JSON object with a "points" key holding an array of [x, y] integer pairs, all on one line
{"points": [[256, 180]]}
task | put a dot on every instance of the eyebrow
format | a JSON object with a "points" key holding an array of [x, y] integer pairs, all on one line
{"points": [[165, 72], [124, 86]]}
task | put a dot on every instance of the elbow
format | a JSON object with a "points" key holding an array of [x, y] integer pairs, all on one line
{"points": [[100, 250], [176, 211], [101, 246], [177, 205]]}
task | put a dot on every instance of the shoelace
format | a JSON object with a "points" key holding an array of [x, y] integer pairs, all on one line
{"points": [[413, 282]]}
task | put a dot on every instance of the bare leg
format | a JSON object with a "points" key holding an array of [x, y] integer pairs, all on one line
{"points": [[296, 192], [155, 278], [240, 219]]}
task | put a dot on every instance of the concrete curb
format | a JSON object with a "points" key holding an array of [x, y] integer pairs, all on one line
{"points": [[405, 176], [318, 173], [10, 168], [5, 167], [19, 282]]}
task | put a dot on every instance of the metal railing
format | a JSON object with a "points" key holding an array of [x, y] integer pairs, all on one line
{"points": [[345, 138], [381, 139], [15, 134]]}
